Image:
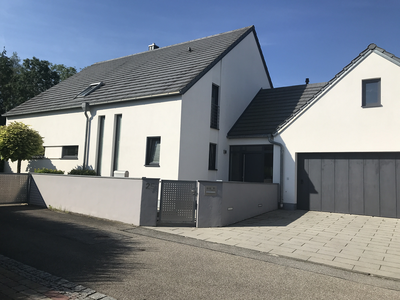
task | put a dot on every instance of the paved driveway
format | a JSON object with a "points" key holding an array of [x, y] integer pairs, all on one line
{"points": [[364, 244]]}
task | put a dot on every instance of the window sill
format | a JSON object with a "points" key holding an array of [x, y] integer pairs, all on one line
{"points": [[212, 169], [152, 166], [372, 105], [70, 158]]}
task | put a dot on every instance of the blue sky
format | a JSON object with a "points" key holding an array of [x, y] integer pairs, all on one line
{"points": [[299, 39]]}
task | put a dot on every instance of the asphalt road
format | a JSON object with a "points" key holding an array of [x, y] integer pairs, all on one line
{"points": [[127, 262]]}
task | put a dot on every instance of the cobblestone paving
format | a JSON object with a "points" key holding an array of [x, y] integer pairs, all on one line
{"points": [[19, 281]]}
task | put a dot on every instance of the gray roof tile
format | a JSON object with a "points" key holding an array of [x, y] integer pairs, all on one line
{"points": [[270, 108], [167, 70]]}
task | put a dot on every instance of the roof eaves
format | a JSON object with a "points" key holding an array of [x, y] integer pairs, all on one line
{"points": [[78, 105], [213, 63], [249, 136]]}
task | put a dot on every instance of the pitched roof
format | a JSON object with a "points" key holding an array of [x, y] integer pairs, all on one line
{"points": [[160, 72], [272, 109]]}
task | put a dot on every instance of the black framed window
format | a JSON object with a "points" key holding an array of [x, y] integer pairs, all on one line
{"points": [[117, 140], [214, 121], [100, 142], [153, 151], [371, 92], [212, 157], [70, 152], [251, 163]]}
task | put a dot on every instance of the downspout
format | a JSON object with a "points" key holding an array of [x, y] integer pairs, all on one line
{"points": [[85, 107], [271, 140]]}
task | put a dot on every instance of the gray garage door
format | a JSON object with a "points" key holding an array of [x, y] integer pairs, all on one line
{"points": [[355, 183]]}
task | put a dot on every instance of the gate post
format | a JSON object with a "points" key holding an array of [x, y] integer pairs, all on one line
{"points": [[148, 203]]}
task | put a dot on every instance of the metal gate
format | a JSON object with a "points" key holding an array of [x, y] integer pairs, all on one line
{"points": [[178, 202], [14, 188]]}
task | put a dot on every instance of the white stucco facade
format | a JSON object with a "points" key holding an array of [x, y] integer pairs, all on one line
{"points": [[239, 75], [182, 122], [140, 119], [337, 122]]}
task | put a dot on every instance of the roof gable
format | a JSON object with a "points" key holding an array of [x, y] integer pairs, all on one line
{"points": [[165, 71], [273, 109]]}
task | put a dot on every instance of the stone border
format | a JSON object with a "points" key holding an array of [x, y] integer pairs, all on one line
{"points": [[45, 284]]}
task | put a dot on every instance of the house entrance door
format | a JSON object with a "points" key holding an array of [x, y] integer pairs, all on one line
{"points": [[251, 163], [178, 202]]}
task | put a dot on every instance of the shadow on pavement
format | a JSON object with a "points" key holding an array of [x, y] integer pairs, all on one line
{"points": [[278, 217], [66, 245]]}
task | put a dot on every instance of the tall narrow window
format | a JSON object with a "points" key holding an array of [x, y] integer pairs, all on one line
{"points": [[371, 92], [214, 122], [153, 151], [212, 157], [117, 140], [100, 140]]}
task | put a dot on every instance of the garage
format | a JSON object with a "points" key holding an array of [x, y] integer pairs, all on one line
{"points": [[354, 183]]}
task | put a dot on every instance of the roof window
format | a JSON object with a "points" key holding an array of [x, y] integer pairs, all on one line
{"points": [[89, 89]]}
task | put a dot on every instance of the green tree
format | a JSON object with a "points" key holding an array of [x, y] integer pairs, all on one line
{"points": [[6, 76], [35, 77], [20, 82], [19, 142], [63, 71]]}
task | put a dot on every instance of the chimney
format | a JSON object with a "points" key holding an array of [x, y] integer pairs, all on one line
{"points": [[307, 80], [153, 47]]}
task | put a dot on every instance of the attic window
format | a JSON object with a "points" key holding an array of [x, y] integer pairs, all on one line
{"points": [[89, 89], [371, 93]]}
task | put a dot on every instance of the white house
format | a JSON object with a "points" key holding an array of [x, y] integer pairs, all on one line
{"points": [[163, 113], [335, 145], [185, 112]]}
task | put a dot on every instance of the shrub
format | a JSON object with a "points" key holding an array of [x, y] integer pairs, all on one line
{"points": [[45, 170], [81, 171], [1, 165]]}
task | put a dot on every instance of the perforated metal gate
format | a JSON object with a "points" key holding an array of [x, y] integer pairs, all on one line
{"points": [[14, 188], [178, 201]]}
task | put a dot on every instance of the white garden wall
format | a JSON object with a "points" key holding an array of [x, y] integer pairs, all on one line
{"points": [[225, 203], [127, 200]]}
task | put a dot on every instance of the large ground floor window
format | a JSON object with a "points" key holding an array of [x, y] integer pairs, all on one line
{"points": [[251, 163]]}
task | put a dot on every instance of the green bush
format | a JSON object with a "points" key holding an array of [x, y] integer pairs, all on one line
{"points": [[45, 170], [80, 171]]}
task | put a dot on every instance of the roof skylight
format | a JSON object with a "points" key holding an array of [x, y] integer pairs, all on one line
{"points": [[89, 89]]}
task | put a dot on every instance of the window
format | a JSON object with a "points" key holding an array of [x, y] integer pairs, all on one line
{"points": [[251, 163], [214, 122], [89, 89], [212, 157], [117, 140], [70, 152], [153, 151], [100, 140], [371, 93]]}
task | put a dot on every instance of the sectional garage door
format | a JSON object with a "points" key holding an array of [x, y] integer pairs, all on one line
{"points": [[355, 183]]}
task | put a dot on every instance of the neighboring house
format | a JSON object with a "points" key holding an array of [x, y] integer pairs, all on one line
{"points": [[163, 113], [340, 140]]}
